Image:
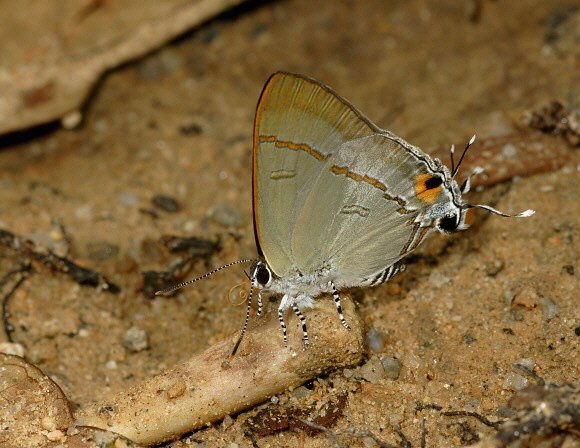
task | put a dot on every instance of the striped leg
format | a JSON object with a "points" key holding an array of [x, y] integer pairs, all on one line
{"points": [[338, 307], [303, 321], [283, 325], [259, 313]]}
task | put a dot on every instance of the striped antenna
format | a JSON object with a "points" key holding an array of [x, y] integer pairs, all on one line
{"points": [[456, 168], [189, 282], [451, 152], [524, 214]]}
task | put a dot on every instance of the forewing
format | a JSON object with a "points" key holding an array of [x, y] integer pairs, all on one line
{"points": [[299, 124]]}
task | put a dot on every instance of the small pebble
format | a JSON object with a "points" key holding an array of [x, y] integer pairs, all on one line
{"points": [[392, 367], [274, 399], [549, 308], [135, 339], [225, 215], [468, 339], [300, 392], [177, 389], [505, 411], [412, 361], [128, 199], [515, 381], [492, 268], [374, 340], [369, 441], [111, 364], [48, 422], [437, 279], [528, 297], [72, 119], [508, 296], [526, 362], [55, 436], [227, 422], [191, 129], [516, 316], [349, 373], [509, 150], [372, 371], [165, 203], [12, 348]]}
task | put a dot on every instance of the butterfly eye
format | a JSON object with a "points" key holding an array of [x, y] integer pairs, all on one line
{"points": [[449, 223], [433, 182], [262, 275]]}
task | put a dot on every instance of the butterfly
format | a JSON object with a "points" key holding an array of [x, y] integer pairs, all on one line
{"points": [[338, 201]]}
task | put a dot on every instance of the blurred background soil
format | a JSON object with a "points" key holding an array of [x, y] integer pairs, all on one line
{"points": [[164, 148]]}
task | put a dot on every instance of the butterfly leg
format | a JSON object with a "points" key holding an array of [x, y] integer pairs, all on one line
{"points": [[245, 325], [303, 322], [283, 325], [259, 313], [338, 307]]}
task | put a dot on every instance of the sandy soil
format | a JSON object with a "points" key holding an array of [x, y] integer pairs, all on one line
{"points": [[179, 124]]}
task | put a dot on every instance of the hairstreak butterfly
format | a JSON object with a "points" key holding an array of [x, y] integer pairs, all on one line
{"points": [[337, 201]]}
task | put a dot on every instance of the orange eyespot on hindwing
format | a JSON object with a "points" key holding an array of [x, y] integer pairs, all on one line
{"points": [[428, 187]]}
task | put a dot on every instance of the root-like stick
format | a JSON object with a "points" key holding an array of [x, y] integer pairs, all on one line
{"points": [[207, 387]]}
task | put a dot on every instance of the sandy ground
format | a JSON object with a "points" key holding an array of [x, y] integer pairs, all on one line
{"points": [[179, 124]]}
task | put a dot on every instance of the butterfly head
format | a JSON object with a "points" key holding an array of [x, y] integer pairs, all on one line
{"points": [[453, 219], [261, 275]]}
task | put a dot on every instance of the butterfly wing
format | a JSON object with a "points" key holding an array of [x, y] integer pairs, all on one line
{"points": [[299, 125], [369, 206]]}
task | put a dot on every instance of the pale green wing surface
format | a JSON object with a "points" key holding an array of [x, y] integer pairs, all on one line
{"points": [[299, 124], [360, 215]]}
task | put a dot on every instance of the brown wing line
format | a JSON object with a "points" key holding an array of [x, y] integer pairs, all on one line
{"points": [[372, 129], [294, 146], [409, 245], [343, 170]]}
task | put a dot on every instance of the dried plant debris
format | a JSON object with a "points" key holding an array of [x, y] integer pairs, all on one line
{"points": [[81, 275], [166, 203], [20, 274], [522, 154], [34, 412], [274, 419], [556, 119], [541, 412], [202, 389], [332, 435], [193, 248]]}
